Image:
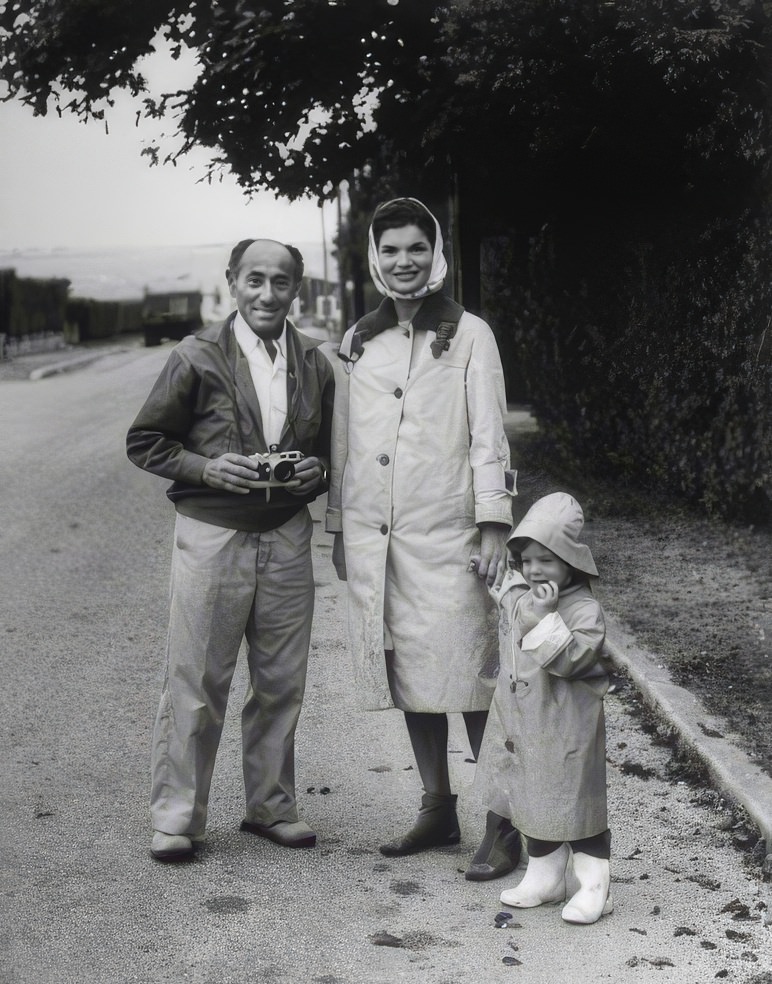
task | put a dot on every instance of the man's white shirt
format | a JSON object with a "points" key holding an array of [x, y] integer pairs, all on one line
{"points": [[269, 377]]}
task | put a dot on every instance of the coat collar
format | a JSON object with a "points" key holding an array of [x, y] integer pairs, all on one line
{"points": [[222, 334], [298, 345], [433, 310], [438, 313]]}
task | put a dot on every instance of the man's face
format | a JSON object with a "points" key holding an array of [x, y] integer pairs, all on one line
{"points": [[264, 286]]}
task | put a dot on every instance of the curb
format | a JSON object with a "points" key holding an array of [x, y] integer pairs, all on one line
{"points": [[703, 734], [74, 362]]}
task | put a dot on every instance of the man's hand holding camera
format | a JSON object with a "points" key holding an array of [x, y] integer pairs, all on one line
{"points": [[308, 474], [239, 473], [232, 473]]}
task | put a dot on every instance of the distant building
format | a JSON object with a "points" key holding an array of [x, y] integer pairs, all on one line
{"points": [[32, 312], [161, 292], [88, 319], [30, 306], [172, 314]]}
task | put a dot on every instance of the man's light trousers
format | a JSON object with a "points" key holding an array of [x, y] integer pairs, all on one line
{"points": [[227, 585]]}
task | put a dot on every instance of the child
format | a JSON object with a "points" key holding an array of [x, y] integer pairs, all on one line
{"points": [[543, 760]]}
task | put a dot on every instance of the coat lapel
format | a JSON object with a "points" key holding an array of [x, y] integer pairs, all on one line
{"points": [[250, 416], [296, 357]]}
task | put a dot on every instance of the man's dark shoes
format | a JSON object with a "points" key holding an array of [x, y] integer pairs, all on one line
{"points": [[288, 833], [171, 847], [436, 826], [499, 852]]}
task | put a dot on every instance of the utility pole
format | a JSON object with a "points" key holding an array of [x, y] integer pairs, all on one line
{"points": [[326, 298], [341, 278]]}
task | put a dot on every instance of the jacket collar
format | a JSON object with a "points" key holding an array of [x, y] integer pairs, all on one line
{"points": [[298, 345], [438, 313], [222, 334], [433, 310]]}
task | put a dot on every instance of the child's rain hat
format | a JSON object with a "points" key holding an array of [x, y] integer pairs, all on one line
{"points": [[556, 521]]}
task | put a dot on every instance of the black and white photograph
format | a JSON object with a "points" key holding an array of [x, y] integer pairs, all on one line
{"points": [[386, 472]]}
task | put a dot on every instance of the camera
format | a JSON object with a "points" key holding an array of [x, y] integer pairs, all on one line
{"points": [[277, 467]]}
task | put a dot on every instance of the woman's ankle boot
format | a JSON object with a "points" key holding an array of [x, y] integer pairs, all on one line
{"points": [[436, 826], [544, 881], [499, 851], [589, 883]]}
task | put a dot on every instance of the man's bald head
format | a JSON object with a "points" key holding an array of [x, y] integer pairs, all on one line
{"points": [[241, 247]]}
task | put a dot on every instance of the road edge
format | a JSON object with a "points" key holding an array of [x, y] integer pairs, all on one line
{"points": [[697, 730], [73, 362]]}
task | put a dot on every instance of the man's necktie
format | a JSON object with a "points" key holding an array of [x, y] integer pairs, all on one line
{"points": [[270, 348]]}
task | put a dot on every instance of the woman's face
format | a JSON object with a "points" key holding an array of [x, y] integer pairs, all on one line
{"points": [[405, 258]]}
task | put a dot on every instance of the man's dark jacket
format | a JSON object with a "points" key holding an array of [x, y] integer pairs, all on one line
{"points": [[204, 404]]}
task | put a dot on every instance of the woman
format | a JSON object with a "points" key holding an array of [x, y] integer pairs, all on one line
{"points": [[420, 510]]}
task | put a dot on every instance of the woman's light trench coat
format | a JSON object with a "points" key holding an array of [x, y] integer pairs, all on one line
{"points": [[418, 460]]}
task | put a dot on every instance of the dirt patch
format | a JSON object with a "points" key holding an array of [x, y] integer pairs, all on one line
{"points": [[695, 592]]}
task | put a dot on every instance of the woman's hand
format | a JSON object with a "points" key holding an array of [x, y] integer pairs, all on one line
{"points": [[485, 564]]}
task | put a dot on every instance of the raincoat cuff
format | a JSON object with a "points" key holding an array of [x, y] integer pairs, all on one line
{"points": [[547, 638], [498, 510], [333, 521], [512, 579]]}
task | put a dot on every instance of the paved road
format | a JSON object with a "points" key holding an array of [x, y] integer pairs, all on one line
{"points": [[84, 552]]}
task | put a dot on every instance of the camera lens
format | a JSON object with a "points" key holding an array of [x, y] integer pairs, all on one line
{"points": [[283, 471]]}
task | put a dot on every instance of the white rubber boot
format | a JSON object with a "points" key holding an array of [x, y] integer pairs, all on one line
{"points": [[589, 880], [544, 881]]}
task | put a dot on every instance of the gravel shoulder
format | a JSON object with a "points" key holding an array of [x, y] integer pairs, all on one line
{"points": [[695, 592]]}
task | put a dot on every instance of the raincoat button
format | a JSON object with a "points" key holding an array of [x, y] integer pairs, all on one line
{"points": [[384, 529], [398, 393], [383, 459]]}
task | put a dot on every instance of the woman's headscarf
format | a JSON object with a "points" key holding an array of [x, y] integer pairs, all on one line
{"points": [[439, 265]]}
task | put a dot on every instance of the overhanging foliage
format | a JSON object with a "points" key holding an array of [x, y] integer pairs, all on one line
{"points": [[297, 95], [621, 149]]}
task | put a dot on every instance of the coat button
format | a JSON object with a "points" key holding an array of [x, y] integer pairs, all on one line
{"points": [[398, 393], [383, 459], [384, 529]]}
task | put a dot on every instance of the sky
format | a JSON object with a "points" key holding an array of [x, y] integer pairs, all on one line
{"points": [[66, 184]]}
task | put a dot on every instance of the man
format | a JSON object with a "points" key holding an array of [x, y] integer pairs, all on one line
{"points": [[241, 562]]}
